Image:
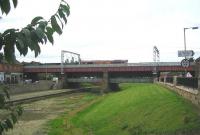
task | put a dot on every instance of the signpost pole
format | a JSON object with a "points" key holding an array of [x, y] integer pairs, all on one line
{"points": [[184, 40], [184, 29]]}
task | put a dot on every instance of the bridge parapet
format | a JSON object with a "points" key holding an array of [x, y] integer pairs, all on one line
{"points": [[127, 67], [151, 64]]}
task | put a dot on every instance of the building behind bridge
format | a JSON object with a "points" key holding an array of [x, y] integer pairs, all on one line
{"points": [[11, 73]]}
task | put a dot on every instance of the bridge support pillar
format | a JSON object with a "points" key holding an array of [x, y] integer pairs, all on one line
{"points": [[105, 82], [165, 79], [160, 79], [198, 83], [64, 80], [175, 80]]}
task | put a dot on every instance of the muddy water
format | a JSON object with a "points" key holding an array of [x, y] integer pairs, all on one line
{"points": [[36, 114]]}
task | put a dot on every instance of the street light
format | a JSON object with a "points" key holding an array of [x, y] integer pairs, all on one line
{"points": [[185, 36]]}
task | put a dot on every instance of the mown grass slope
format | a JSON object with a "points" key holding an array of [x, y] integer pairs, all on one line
{"points": [[136, 110]]}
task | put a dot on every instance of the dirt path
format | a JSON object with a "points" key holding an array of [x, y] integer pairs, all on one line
{"points": [[37, 114]]}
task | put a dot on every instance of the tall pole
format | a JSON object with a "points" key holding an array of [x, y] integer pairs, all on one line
{"points": [[185, 47], [184, 29], [184, 41]]}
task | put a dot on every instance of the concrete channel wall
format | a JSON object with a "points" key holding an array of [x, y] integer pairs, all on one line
{"points": [[190, 94], [31, 87]]}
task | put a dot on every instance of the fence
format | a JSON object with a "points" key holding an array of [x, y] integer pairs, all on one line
{"points": [[191, 91], [169, 79], [189, 82]]}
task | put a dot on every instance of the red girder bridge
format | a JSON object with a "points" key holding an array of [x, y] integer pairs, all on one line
{"points": [[109, 73]]}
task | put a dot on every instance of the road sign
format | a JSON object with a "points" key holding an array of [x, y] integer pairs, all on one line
{"points": [[185, 63], [185, 53]]}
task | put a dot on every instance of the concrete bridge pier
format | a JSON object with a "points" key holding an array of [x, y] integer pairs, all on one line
{"points": [[106, 85], [105, 82], [64, 81]]}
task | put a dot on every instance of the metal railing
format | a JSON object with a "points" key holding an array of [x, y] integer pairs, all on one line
{"points": [[189, 82], [169, 79]]}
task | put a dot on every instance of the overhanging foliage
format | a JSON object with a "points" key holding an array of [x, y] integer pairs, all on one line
{"points": [[39, 31]]}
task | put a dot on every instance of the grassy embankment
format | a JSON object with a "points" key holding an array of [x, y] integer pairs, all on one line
{"points": [[136, 110]]}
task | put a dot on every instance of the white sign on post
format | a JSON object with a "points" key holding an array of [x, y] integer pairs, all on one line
{"points": [[187, 53], [185, 63]]}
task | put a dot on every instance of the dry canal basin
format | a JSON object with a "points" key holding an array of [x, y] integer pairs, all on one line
{"points": [[37, 114]]}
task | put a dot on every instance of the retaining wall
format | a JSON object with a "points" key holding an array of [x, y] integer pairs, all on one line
{"points": [[39, 86], [191, 94]]}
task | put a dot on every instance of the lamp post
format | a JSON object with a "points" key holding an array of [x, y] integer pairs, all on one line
{"points": [[184, 29]]}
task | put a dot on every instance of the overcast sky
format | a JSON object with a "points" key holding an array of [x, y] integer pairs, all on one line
{"points": [[115, 29]]}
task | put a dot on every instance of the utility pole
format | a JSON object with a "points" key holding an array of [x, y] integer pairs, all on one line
{"points": [[62, 59], [156, 59]]}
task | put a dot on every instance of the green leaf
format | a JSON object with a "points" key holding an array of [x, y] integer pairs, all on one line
{"points": [[19, 110], [55, 25], [4, 125], [26, 32], [29, 27], [9, 53], [27, 36], [5, 90], [64, 1], [2, 100], [1, 128], [21, 44], [37, 50], [39, 32], [35, 20], [5, 6], [45, 38], [34, 40], [42, 25], [50, 30], [1, 41], [49, 34], [15, 3], [65, 8], [9, 49], [50, 38], [8, 31], [14, 117], [62, 15], [22, 51], [60, 20], [9, 123]]}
